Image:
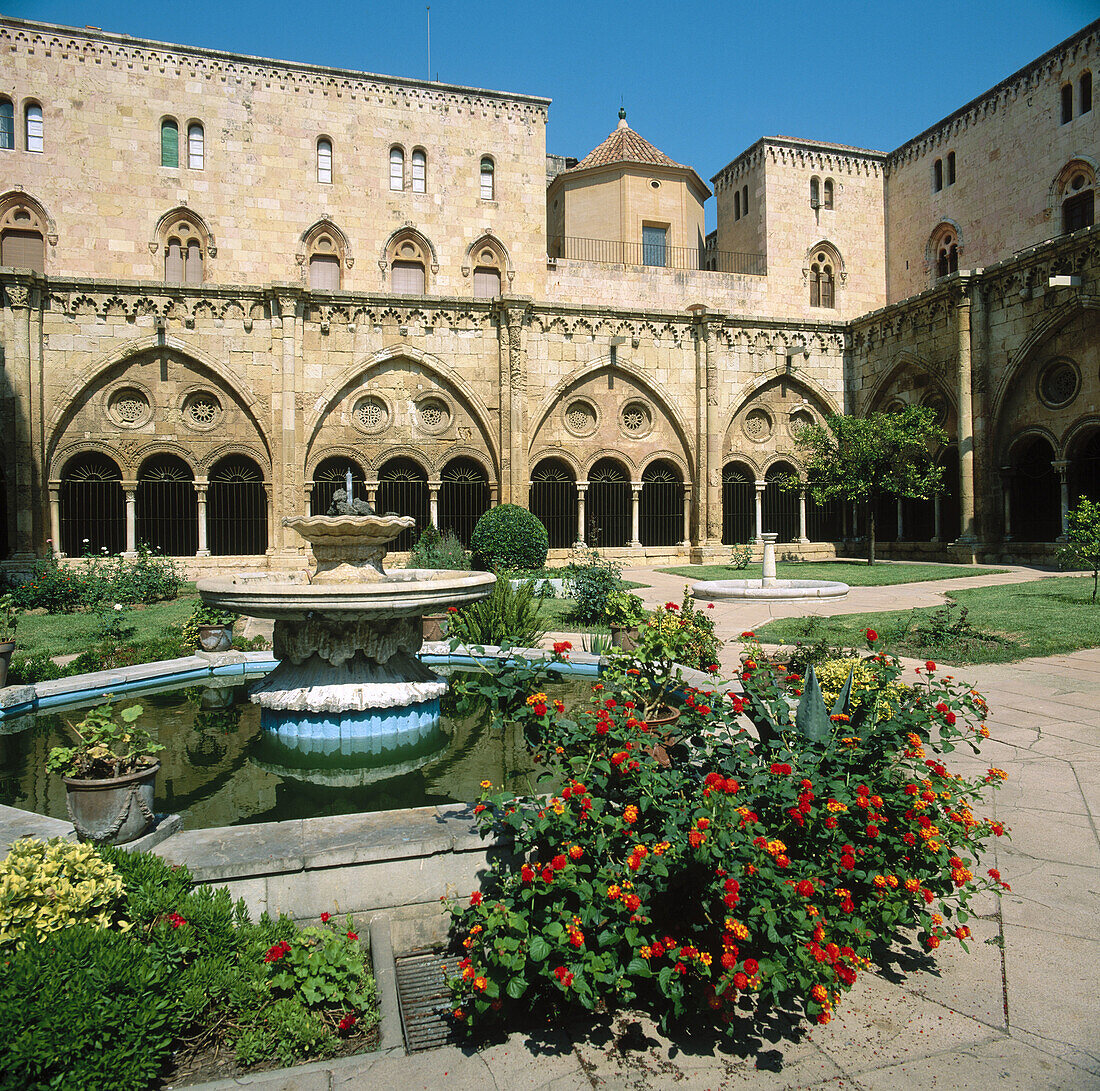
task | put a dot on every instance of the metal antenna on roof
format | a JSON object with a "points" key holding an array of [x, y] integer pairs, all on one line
{"points": [[428, 9]]}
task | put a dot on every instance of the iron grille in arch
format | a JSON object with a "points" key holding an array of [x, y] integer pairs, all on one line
{"points": [[780, 503], [92, 507], [661, 518], [236, 508], [403, 490], [608, 508], [553, 501], [167, 507], [332, 474], [463, 497], [738, 504]]}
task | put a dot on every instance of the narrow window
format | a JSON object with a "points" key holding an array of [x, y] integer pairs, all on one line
{"points": [[1084, 100], [827, 193], [1067, 102], [744, 200], [1079, 206], [195, 146], [397, 168], [173, 263], [408, 278], [7, 125], [950, 168], [194, 262], [486, 283], [815, 193], [947, 255], [419, 171], [654, 246], [737, 205], [937, 176], [324, 161], [169, 143], [487, 178], [324, 272], [822, 290], [34, 128]]}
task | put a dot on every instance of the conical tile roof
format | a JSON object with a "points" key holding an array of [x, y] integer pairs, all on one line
{"points": [[624, 145]]}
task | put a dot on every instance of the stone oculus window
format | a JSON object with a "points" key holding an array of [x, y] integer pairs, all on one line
{"points": [[636, 419], [202, 410], [581, 417], [371, 414], [128, 407], [1059, 383]]}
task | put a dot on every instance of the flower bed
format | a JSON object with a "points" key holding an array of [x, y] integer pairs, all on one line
{"points": [[750, 870]]}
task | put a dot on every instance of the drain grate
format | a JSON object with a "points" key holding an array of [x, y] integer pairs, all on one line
{"points": [[424, 998]]}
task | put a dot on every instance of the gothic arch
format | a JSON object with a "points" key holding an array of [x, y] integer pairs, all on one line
{"points": [[626, 461], [407, 232], [325, 225], [906, 361], [830, 249], [63, 456], [504, 259], [750, 389], [15, 199], [1031, 431], [933, 236], [460, 450], [788, 457], [400, 450], [182, 212], [667, 456], [338, 450], [164, 447], [1085, 163], [1082, 426]]}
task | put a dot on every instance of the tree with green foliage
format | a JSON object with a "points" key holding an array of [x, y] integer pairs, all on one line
{"points": [[858, 459], [1082, 548]]}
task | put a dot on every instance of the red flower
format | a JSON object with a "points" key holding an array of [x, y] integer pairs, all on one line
{"points": [[277, 951], [930, 666], [452, 609], [176, 920], [539, 709], [326, 917], [475, 898], [547, 875], [559, 862], [740, 981], [632, 902], [805, 888], [780, 768], [729, 960], [872, 831], [751, 966], [748, 634], [871, 635], [562, 646], [526, 874], [353, 936], [671, 606], [950, 717], [347, 1022]]}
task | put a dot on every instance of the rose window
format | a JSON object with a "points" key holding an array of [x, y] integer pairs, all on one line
{"points": [[370, 414], [434, 413], [129, 406], [800, 420], [636, 418], [758, 425], [202, 410], [1059, 383], [580, 417]]}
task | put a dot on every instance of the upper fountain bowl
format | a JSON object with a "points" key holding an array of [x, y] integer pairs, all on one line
{"points": [[349, 548]]}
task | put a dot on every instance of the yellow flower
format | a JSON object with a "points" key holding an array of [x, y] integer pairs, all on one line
{"points": [[486, 784]]}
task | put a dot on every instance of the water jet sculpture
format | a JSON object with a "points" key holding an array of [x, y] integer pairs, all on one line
{"points": [[347, 638], [770, 588]]}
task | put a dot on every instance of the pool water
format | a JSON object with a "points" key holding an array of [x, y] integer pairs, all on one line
{"points": [[220, 768]]}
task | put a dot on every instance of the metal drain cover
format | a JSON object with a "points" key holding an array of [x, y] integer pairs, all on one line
{"points": [[424, 998]]}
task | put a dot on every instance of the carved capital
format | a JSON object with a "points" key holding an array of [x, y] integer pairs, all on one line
{"points": [[19, 295]]}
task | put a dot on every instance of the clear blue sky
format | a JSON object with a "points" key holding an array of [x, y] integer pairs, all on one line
{"points": [[702, 81]]}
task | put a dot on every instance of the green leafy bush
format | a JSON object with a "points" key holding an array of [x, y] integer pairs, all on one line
{"points": [[49, 885], [435, 550], [624, 609], [53, 588], [26, 670], [592, 583], [509, 536], [509, 616]]}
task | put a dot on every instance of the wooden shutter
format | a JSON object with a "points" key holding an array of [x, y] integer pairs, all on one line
{"points": [[23, 250], [195, 147], [34, 128], [169, 144], [324, 162], [173, 263], [324, 272], [408, 278], [486, 283], [194, 262]]}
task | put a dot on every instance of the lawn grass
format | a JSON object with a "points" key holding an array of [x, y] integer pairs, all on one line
{"points": [[1044, 617], [70, 634], [555, 616], [852, 572]]}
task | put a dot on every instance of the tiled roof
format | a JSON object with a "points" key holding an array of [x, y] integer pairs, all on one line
{"points": [[624, 145]]}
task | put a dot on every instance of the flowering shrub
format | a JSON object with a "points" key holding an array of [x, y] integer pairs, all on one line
{"points": [[746, 874], [679, 633]]}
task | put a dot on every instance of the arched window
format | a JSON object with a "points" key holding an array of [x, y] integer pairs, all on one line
{"points": [[34, 127], [463, 497], [489, 263], [1036, 504], [22, 235], [937, 176], [1067, 102], [553, 500], [780, 505], [487, 171], [397, 168], [827, 193], [332, 474], [950, 168], [1084, 468], [744, 200], [409, 256], [737, 205], [609, 505], [325, 252], [419, 171], [169, 143], [1078, 199], [943, 249], [661, 505], [186, 244], [403, 488], [1084, 93], [236, 508], [815, 193], [823, 280], [195, 146], [93, 513], [7, 125], [167, 506], [738, 504], [324, 161]]}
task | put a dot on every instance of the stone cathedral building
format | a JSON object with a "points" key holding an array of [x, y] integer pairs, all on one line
{"points": [[228, 281]]}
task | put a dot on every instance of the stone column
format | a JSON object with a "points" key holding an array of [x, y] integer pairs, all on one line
{"points": [[686, 543], [129, 491], [760, 487], [937, 516], [55, 517], [802, 515], [901, 521], [1062, 466], [635, 514], [308, 486], [511, 323], [285, 430], [19, 368], [372, 493], [494, 494], [433, 503], [1006, 499], [201, 484], [714, 439], [582, 489], [966, 419], [271, 530]]}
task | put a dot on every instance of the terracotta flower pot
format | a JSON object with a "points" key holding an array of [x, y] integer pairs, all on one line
{"points": [[6, 648], [624, 637], [115, 810], [433, 626], [215, 638]]}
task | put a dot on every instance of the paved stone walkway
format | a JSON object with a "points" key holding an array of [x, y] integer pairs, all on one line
{"points": [[1020, 1011]]}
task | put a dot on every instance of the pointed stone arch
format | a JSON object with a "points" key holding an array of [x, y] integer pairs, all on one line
{"points": [[313, 241], [488, 241], [413, 234], [181, 213], [751, 388], [906, 361], [22, 211]]}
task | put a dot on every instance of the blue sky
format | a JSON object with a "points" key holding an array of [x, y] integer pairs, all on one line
{"points": [[702, 81]]}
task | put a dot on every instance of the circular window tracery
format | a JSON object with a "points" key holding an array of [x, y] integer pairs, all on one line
{"points": [[1059, 383], [371, 413], [129, 407], [939, 407], [636, 418], [434, 414], [202, 410], [758, 425], [799, 419], [580, 418]]}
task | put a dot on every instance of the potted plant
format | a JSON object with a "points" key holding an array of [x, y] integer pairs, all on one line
{"points": [[108, 775], [624, 613], [214, 628], [9, 619]]}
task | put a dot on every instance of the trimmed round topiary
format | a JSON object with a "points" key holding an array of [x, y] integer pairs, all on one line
{"points": [[509, 536]]}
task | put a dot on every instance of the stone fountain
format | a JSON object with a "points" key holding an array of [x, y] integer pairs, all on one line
{"points": [[769, 588], [347, 637]]}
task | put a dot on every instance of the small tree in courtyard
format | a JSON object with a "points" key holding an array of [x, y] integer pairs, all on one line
{"points": [[857, 459], [1082, 548]]}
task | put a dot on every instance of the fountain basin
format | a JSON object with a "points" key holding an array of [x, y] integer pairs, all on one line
{"points": [[773, 590]]}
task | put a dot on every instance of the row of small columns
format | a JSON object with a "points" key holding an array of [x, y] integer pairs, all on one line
{"points": [[635, 514], [433, 496], [129, 493]]}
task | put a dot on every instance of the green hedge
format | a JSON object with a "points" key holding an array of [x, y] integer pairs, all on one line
{"points": [[509, 536]]}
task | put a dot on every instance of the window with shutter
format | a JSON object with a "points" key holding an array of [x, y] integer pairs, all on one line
{"points": [[408, 278], [827, 193], [173, 263], [23, 250], [419, 172], [487, 171], [397, 168], [169, 143], [7, 125], [486, 283], [324, 161], [194, 262], [324, 272], [195, 150], [653, 246], [34, 128]]}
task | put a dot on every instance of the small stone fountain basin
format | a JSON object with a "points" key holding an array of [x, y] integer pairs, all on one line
{"points": [[408, 592], [775, 590]]}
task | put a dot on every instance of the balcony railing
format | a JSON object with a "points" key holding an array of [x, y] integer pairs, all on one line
{"points": [[656, 255]]}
